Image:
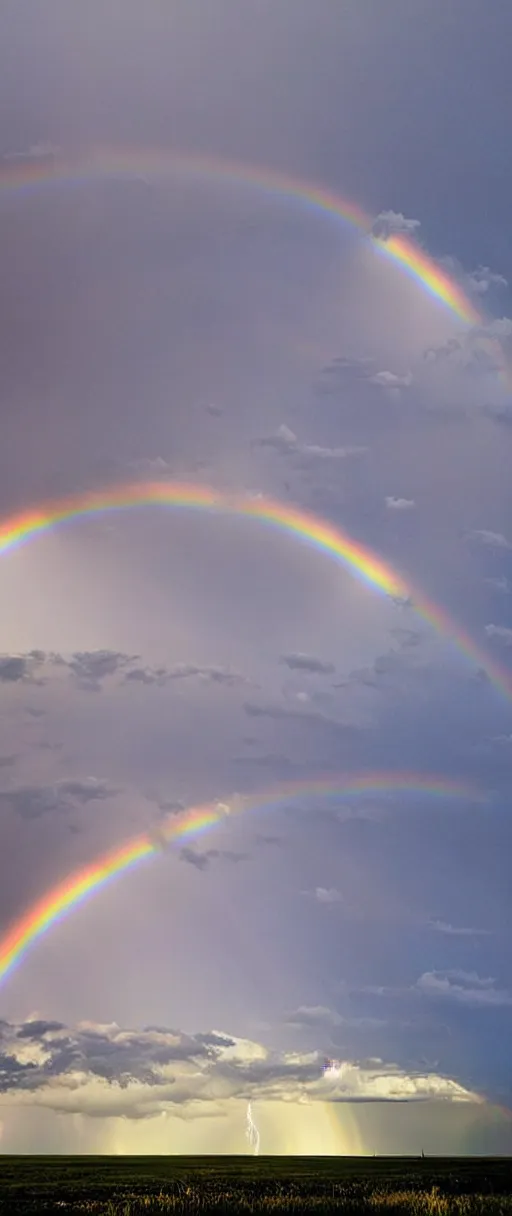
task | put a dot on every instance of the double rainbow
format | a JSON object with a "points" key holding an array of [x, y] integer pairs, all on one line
{"points": [[78, 886]]}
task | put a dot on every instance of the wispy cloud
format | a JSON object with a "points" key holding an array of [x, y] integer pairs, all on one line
{"points": [[463, 988]]}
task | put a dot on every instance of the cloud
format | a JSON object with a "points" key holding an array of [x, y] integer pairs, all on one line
{"points": [[482, 280], [462, 987], [349, 365], [500, 414], [328, 895], [441, 926], [479, 351], [313, 1016], [278, 762], [13, 668], [90, 667], [201, 861], [501, 584], [154, 466], [295, 713], [499, 328], [33, 801], [44, 150], [286, 443], [390, 380], [105, 1070], [434, 354], [399, 504], [393, 223], [406, 638], [493, 540], [298, 661], [500, 634], [185, 671]]}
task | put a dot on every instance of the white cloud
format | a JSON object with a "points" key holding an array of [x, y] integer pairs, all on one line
{"points": [[393, 223], [500, 328], [500, 634], [105, 1070], [482, 280], [441, 926], [44, 150], [390, 380], [501, 584], [286, 443], [328, 895], [494, 540]]}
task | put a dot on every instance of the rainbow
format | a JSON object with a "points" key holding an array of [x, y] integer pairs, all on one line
{"points": [[78, 886], [317, 533], [24, 174]]}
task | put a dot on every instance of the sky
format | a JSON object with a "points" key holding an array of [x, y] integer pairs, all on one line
{"points": [[179, 305]]}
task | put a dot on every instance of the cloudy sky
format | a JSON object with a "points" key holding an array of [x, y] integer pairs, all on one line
{"points": [[203, 329]]}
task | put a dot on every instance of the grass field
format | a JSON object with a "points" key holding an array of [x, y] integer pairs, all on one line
{"points": [[107, 1186]]}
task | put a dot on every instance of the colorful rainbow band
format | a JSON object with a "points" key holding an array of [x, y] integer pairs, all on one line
{"points": [[66, 896], [18, 174], [317, 533]]}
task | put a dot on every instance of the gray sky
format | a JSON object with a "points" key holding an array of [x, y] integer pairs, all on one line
{"points": [[208, 331]]}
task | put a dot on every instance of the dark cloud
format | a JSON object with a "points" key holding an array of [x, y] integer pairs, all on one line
{"points": [[33, 801], [90, 667], [399, 504], [501, 414], [307, 662], [13, 668], [185, 671], [37, 1029], [462, 987], [201, 861]]}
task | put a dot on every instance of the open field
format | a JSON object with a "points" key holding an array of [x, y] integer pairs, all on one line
{"points": [[107, 1186]]}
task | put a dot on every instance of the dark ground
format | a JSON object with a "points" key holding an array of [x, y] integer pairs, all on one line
{"points": [[133, 1185]]}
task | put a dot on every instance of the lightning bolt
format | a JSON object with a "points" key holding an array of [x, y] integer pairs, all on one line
{"points": [[252, 1132]]}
